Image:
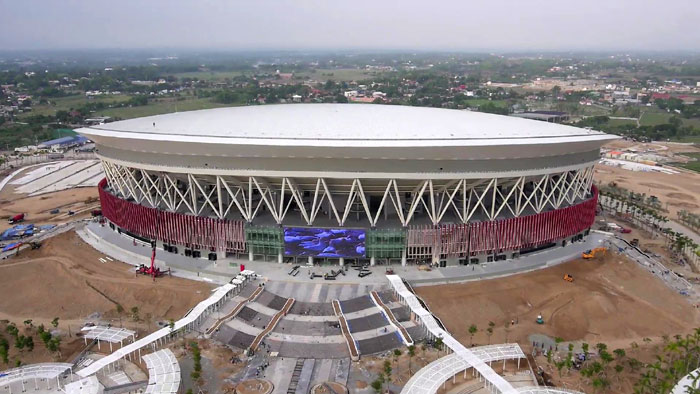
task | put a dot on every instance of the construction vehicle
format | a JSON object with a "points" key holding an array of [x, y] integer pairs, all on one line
{"points": [[592, 253], [143, 269], [153, 271], [568, 278], [539, 320], [17, 218]]}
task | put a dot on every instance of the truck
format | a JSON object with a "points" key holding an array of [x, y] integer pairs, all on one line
{"points": [[16, 219]]}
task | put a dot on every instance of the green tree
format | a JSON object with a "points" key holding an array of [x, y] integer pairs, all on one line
{"points": [[437, 344], [559, 365], [397, 354], [411, 354], [54, 322], [135, 313], [387, 370], [378, 384], [489, 330], [472, 331], [120, 312]]}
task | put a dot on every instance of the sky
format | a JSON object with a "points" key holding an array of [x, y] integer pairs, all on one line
{"points": [[451, 25]]}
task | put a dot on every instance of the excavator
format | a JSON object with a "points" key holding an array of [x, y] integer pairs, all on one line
{"points": [[568, 278], [589, 254]]}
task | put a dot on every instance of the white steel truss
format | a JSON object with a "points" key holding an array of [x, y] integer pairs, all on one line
{"points": [[369, 199]]}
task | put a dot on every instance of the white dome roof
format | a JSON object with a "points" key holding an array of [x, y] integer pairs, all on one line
{"points": [[343, 124]]}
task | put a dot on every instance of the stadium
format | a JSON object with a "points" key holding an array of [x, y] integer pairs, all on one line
{"points": [[348, 182]]}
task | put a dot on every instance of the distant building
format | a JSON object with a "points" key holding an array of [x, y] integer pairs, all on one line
{"points": [[545, 116], [98, 120], [26, 149], [61, 144]]}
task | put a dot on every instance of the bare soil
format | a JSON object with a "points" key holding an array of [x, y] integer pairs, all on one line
{"points": [[37, 209], [675, 191], [610, 299], [65, 279], [254, 386]]}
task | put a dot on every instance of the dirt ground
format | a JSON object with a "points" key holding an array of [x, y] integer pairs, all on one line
{"points": [[610, 299], [673, 151], [81, 201], [65, 279], [675, 191]]}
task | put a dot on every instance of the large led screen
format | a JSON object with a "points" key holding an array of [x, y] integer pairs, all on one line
{"points": [[324, 242]]}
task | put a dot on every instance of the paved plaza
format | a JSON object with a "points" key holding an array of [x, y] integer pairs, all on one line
{"points": [[120, 246]]}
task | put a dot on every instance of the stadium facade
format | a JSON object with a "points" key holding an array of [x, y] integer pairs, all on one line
{"points": [[348, 181]]}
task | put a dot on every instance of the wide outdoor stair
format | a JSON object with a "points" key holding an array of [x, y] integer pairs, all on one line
{"points": [[369, 322], [352, 347], [312, 308], [251, 297], [309, 328], [356, 304], [271, 325], [271, 300], [380, 343], [389, 314], [296, 374]]}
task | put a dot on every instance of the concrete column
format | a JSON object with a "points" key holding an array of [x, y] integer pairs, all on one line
{"points": [[279, 257], [341, 261], [403, 257], [372, 261], [311, 260], [250, 255]]}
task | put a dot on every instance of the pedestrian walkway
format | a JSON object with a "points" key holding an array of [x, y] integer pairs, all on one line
{"points": [[318, 290]]}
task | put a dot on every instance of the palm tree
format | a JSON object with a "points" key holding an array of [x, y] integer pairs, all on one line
{"points": [[472, 331], [411, 353], [438, 345], [397, 354]]}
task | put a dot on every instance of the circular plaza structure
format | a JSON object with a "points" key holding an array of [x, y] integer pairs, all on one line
{"points": [[348, 181]]}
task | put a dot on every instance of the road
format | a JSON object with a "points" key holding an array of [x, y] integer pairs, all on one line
{"points": [[679, 228]]}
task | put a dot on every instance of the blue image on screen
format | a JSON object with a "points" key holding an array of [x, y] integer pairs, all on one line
{"points": [[324, 242]]}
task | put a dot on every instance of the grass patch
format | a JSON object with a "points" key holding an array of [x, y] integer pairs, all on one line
{"points": [[694, 139], [478, 102], [691, 165], [71, 102], [161, 106], [622, 122], [321, 75], [210, 75], [340, 74], [654, 118]]}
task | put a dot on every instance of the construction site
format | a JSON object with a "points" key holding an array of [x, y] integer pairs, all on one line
{"points": [[277, 331]]}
